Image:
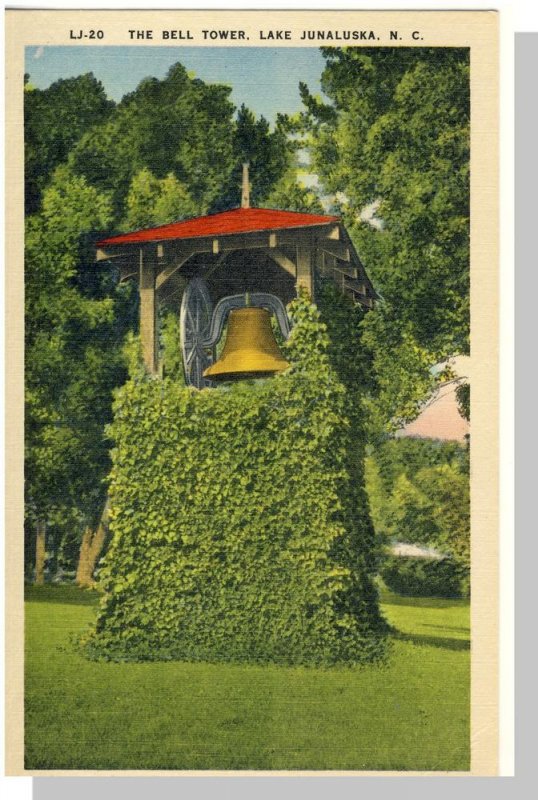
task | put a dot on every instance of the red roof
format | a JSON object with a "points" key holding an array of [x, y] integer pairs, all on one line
{"points": [[240, 220]]}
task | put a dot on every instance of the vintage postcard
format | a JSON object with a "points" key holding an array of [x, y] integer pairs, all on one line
{"points": [[252, 359]]}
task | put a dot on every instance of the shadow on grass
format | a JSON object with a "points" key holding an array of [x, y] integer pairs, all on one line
{"points": [[389, 599], [444, 642], [55, 593], [460, 629]]}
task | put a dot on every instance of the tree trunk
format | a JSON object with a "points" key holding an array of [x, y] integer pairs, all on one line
{"points": [[84, 574], [90, 550], [40, 552]]}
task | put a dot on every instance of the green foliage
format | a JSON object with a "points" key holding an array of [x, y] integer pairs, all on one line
{"points": [[400, 376], [171, 356], [152, 201], [448, 493], [268, 153], [419, 492], [174, 202], [236, 530], [72, 358], [179, 125], [140, 202], [172, 149], [463, 396], [424, 577], [395, 138], [291, 195], [54, 120], [410, 455], [165, 152]]}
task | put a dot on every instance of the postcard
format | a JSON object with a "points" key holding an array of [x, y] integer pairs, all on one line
{"points": [[252, 359]]}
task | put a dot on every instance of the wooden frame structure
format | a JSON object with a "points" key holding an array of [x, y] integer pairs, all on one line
{"points": [[235, 251]]}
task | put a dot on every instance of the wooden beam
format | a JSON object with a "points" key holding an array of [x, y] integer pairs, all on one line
{"points": [[360, 292], [336, 249], [170, 269], [357, 286], [283, 261], [247, 241], [169, 297], [148, 315], [171, 289], [319, 263], [334, 232], [109, 255], [129, 272], [346, 269], [305, 278], [214, 267]]}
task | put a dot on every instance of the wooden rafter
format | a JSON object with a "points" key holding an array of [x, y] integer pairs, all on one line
{"points": [[283, 261], [337, 249], [170, 269]]}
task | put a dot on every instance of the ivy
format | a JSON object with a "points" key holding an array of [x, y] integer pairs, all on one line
{"points": [[240, 527]]}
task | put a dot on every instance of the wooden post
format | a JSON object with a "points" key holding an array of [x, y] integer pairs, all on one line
{"points": [[319, 263], [304, 267], [148, 315]]}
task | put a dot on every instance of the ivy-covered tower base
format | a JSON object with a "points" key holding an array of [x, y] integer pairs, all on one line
{"points": [[241, 529]]}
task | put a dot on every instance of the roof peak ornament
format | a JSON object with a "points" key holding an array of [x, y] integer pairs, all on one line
{"points": [[245, 187]]}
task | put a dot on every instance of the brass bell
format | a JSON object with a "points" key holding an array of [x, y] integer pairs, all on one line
{"points": [[250, 350]]}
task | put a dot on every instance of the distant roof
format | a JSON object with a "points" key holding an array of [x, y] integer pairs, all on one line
{"points": [[239, 220], [440, 417], [415, 551]]}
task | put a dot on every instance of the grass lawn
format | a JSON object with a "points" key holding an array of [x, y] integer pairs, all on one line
{"points": [[412, 713]]}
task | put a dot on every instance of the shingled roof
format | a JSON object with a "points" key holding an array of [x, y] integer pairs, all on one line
{"points": [[239, 220]]}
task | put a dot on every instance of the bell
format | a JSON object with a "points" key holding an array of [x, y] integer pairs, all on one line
{"points": [[250, 350]]}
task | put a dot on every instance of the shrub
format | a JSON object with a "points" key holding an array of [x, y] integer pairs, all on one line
{"points": [[424, 577], [236, 530]]}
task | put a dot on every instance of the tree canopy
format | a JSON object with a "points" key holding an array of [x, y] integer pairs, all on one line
{"points": [[54, 120], [419, 492], [392, 145], [179, 125], [74, 328]]}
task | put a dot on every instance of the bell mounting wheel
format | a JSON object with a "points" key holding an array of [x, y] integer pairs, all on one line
{"points": [[194, 324]]}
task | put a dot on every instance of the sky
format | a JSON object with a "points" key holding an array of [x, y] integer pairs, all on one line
{"points": [[265, 79]]}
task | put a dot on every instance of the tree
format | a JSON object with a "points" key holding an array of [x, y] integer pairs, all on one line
{"points": [[291, 195], [433, 509], [143, 193], [73, 359], [395, 138], [179, 125], [182, 131], [268, 153], [54, 120], [419, 492], [92, 544], [153, 201], [449, 493], [174, 201], [463, 396]]}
